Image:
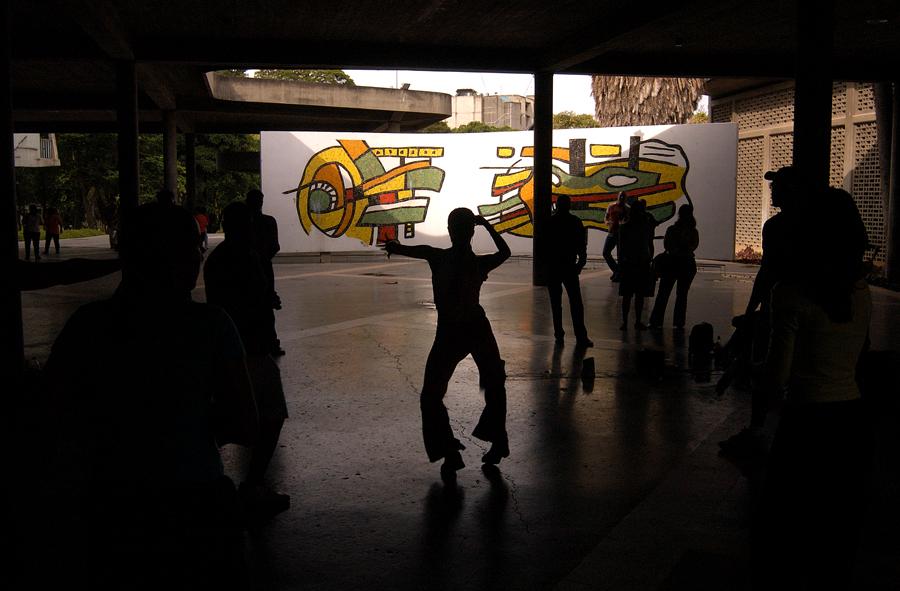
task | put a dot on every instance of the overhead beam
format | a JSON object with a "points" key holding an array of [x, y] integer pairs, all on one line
{"points": [[99, 19]]}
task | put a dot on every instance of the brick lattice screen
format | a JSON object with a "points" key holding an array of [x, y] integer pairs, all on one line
{"points": [[866, 186], [764, 145], [836, 171], [748, 222], [765, 110], [865, 98]]}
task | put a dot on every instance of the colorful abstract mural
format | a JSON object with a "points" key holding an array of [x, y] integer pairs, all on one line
{"points": [[653, 170], [345, 190]]}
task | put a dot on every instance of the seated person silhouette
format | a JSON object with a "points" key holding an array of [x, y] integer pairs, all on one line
{"points": [[236, 281], [462, 329], [146, 385]]}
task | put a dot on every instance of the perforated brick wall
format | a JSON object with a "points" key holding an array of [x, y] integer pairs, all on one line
{"points": [[769, 150], [748, 222], [838, 99], [836, 170], [721, 113], [765, 110], [866, 186], [865, 98]]}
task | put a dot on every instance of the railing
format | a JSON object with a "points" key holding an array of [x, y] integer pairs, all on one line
{"points": [[46, 148]]}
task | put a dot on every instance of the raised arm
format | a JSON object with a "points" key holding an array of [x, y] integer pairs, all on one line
{"points": [[415, 252], [503, 251]]}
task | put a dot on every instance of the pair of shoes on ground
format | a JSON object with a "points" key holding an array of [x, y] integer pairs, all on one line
{"points": [[261, 503], [453, 459]]}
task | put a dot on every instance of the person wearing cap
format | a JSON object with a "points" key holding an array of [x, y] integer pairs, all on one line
{"points": [[462, 329], [778, 262]]}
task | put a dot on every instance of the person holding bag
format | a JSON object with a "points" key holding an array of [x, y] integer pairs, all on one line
{"points": [[676, 267]]}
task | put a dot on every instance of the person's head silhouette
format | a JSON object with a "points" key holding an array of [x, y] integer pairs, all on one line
{"points": [[686, 214], [160, 251], [236, 222], [165, 197], [461, 226], [638, 208], [785, 185], [621, 197], [255, 200], [563, 204]]}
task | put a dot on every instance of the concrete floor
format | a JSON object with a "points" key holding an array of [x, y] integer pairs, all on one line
{"points": [[611, 485]]}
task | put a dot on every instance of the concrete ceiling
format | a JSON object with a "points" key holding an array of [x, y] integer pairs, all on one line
{"points": [[64, 51]]}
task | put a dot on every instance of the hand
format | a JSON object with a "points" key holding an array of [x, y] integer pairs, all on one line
{"points": [[390, 247], [480, 221]]}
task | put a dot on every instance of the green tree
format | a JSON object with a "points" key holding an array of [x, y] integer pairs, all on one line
{"points": [[338, 77], [479, 127], [699, 117], [232, 73], [439, 127], [571, 120], [217, 188]]}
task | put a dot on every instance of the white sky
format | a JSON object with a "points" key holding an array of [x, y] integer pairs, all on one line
{"points": [[570, 93]]}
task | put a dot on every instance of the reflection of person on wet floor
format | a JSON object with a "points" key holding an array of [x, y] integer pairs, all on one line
{"points": [[615, 215], [235, 282], [147, 384], [778, 263], [463, 328], [807, 531], [635, 256], [265, 242], [568, 253], [678, 267]]}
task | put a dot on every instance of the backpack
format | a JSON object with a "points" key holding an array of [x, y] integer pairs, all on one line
{"points": [[700, 343]]}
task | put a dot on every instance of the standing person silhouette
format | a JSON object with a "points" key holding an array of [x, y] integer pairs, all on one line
{"points": [[807, 531], [678, 268], [265, 243], [147, 385], [615, 215], [462, 329], [568, 252], [235, 281], [31, 232], [52, 229], [635, 256], [778, 263]]}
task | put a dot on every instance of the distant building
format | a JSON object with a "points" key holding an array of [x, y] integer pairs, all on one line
{"points": [[498, 110], [34, 150], [764, 113]]}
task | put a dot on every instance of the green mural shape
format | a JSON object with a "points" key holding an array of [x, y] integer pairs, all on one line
{"points": [[425, 178], [600, 179]]}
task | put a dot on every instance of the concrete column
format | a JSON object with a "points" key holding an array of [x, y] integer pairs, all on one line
{"points": [[170, 152], [190, 172], [543, 148], [812, 96], [892, 234], [128, 148], [12, 356]]}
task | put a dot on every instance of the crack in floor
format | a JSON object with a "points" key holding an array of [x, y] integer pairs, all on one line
{"points": [[517, 508]]}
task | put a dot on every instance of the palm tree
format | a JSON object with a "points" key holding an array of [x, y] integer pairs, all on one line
{"points": [[631, 100]]}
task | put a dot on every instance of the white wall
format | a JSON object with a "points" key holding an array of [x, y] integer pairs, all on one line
{"points": [[470, 161]]}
